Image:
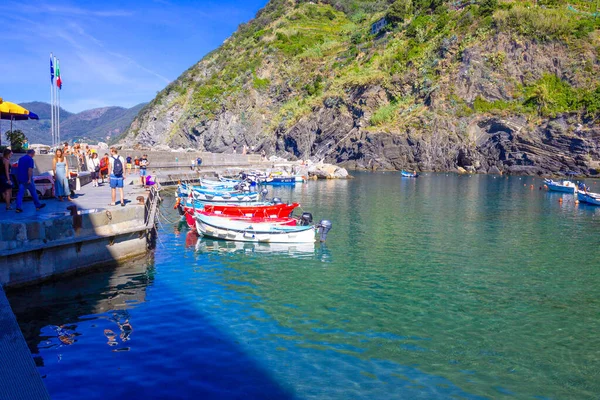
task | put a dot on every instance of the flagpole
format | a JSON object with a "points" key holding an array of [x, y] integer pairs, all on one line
{"points": [[58, 112], [52, 102], [56, 108]]}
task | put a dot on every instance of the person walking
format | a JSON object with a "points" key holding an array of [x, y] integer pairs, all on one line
{"points": [[5, 181], [25, 179], [136, 164], [60, 166], [117, 169], [93, 165]]}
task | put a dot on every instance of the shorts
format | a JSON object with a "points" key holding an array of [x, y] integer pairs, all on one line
{"points": [[128, 165], [94, 175], [116, 182], [143, 172], [137, 166]]}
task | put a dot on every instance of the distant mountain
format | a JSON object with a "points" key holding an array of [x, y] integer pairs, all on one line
{"points": [[92, 126]]}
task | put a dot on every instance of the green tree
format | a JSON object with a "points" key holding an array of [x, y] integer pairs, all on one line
{"points": [[487, 7], [16, 138], [399, 11]]}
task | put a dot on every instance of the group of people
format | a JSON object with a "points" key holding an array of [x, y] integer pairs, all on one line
{"points": [[112, 167], [25, 168]]}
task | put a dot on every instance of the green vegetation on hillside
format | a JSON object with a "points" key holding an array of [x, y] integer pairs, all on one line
{"points": [[298, 54]]}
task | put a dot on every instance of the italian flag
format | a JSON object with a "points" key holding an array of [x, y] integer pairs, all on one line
{"points": [[58, 79]]}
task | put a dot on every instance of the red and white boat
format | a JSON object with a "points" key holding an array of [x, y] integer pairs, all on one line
{"points": [[262, 211], [272, 211], [243, 222]]}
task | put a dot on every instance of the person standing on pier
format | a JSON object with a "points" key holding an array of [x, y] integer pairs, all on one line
{"points": [[116, 167], [5, 181], [93, 165], [60, 166], [25, 179], [143, 169], [128, 159]]}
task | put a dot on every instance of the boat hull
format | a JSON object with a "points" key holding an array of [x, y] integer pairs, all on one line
{"points": [[280, 181], [589, 198]]}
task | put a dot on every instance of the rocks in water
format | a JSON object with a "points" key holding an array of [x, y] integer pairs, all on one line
{"points": [[327, 171]]}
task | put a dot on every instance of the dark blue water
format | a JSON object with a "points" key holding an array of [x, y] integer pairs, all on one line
{"points": [[440, 287]]}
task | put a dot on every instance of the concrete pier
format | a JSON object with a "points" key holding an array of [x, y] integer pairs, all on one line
{"points": [[19, 377], [37, 245]]}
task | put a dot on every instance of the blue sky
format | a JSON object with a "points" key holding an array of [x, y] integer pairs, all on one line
{"points": [[111, 52]]}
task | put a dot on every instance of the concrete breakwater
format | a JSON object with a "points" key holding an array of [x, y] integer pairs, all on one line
{"points": [[54, 241]]}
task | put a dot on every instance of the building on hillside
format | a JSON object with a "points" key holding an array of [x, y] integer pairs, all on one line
{"points": [[378, 26]]}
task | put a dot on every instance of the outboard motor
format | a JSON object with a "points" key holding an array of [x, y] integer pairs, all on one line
{"points": [[264, 193], [277, 200], [306, 219], [324, 228], [236, 187]]}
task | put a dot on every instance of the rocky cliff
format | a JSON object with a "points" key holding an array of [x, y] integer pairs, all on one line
{"points": [[490, 87]]}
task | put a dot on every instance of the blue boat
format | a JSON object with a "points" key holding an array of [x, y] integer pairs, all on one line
{"points": [[562, 186], [280, 180], [589, 198], [409, 174]]}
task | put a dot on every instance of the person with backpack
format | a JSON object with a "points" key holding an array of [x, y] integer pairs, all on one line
{"points": [[117, 170]]}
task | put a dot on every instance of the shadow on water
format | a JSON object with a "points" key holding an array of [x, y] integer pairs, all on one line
{"points": [[77, 325]]}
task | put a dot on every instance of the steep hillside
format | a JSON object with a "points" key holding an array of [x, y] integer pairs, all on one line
{"points": [[509, 85], [99, 124]]}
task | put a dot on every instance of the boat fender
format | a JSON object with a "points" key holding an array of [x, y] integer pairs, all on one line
{"points": [[306, 219], [560, 200], [324, 228], [276, 200], [264, 193]]}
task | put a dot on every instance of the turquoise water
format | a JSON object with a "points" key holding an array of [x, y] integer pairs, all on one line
{"points": [[439, 287]]}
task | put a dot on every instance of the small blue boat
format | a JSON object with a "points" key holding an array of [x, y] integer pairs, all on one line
{"points": [[589, 198], [280, 180], [562, 186], [409, 174]]}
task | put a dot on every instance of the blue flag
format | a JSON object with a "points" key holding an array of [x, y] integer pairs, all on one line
{"points": [[51, 70]]}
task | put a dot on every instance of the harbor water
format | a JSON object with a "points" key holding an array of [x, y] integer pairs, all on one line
{"points": [[439, 287]]}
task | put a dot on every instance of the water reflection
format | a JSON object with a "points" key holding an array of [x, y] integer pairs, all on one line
{"points": [[269, 249], [49, 314]]}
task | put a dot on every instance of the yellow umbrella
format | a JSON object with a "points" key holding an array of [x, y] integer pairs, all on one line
{"points": [[14, 112], [6, 107]]}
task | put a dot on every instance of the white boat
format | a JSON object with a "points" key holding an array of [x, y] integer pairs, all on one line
{"points": [[562, 186], [224, 197], [588, 197], [223, 228]]}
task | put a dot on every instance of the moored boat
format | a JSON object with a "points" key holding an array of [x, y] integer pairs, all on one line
{"points": [[222, 228], [264, 211], [409, 174], [589, 198], [280, 180], [561, 186], [243, 221]]}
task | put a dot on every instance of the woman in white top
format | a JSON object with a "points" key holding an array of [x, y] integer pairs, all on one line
{"points": [[93, 165]]}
